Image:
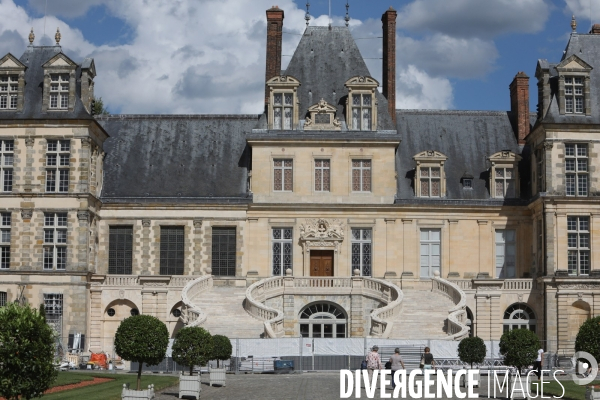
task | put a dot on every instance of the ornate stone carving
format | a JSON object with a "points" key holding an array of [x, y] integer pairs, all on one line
{"points": [[155, 284], [566, 286], [146, 223], [322, 117], [26, 213], [83, 215], [547, 145], [121, 294], [86, 141], [197, 223], [29, 141], [322, 229]]}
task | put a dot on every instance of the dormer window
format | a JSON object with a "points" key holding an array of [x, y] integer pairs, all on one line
{"points": [[59, 91], [430, 178], [574, 95], [504, 174], [283, 103], [574, 86], [12, 83], [9, 89], [361, 106]]}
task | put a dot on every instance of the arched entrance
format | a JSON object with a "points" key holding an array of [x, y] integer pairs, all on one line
{"points": [[519, 316], [323, 320]]}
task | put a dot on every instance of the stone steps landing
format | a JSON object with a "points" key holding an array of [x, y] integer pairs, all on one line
{"points": [[423, 315]]}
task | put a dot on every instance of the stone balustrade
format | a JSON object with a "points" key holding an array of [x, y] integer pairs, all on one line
{"points": [[265, 289], [518, 284], [191, 314], [456, 327], [134, 280]]}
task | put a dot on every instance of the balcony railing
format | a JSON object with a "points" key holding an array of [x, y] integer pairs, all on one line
{"points": [[456, 324]]}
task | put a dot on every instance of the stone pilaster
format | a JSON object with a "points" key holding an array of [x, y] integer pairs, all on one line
{"points": [[452, 228], [83, 218], [550, 247], [483, 226], [357, 318], [196, 267], [290, 318], [551, 323], [390, 264], [146, 246], [95, 333], [84, 165], [29, 159], [489, 315], [26, 236]]}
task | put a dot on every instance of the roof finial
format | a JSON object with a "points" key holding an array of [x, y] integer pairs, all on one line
{"points": [[347, 18], [31, 37], [57, 37], [307, 16], [573, 24]]}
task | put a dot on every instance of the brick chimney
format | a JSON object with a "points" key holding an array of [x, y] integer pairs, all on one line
{"points": [[595, 29], [274, 32], [389, 60], [519, 105]]}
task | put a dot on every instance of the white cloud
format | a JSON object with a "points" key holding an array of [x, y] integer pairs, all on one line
{"points": [[64, 8], [475, 18], [582, 11], [417, 90]]}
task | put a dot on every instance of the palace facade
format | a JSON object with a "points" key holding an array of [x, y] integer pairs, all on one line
{"points": [[330, 214]]}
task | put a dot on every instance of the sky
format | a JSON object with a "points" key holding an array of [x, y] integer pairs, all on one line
{"points": [[208, 56]]}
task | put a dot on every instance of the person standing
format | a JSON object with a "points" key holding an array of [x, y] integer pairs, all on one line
{"points": [[373, 362], [537, 365], [397, 364], [428, 361]]}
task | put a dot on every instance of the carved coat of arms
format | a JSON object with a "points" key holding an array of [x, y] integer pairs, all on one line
{"points": [[319, 228]]}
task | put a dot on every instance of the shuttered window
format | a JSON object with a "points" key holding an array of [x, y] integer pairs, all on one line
{"points": [[120, 244], [223, 251], [171, 250]]}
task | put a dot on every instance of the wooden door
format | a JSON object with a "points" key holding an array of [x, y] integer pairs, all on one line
{"points": [[321, 263]]}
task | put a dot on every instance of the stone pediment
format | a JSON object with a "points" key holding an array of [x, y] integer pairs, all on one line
{"points": [[430, 155], [321, 116], [318, 229], [365, 81], [60, 60], [573, 63], [283, 80], [11, 62], [504, 155]]}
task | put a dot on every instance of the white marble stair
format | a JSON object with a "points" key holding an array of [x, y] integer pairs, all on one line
{"points": [[225, 313], [423, 315]]}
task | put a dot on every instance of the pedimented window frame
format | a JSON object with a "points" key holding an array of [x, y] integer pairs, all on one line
{"points": [[58, 65], [361, 85], [504, 159], [574, 67], [429, 159], [10, 65], [316, 112], [284, 84]]}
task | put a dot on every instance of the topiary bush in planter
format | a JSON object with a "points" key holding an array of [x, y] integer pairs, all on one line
{"points": [[222, 350], [588, 337], [472, 350], [193, 346], [142, 339], [519, 348]]}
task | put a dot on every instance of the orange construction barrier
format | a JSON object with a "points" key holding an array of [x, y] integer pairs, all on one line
{"points": [[99, 359]]}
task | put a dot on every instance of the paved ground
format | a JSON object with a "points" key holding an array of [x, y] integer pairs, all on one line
{"points": [[309, 386]]}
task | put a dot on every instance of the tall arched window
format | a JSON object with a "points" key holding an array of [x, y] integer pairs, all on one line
{"points": [[519, 316], [323, 320]]}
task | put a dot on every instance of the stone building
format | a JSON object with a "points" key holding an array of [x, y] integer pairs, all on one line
{"points": [[330, 214]]}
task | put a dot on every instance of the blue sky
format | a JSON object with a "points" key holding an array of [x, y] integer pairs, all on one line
{"points": [[207, 56]]}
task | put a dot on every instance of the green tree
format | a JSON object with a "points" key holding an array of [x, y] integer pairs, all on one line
{"points": [[193, 346], [221, 348], [43, 311], [26, 353], [472, 350], [142, 339], [98, 107], [519, 347], [588, 337]]}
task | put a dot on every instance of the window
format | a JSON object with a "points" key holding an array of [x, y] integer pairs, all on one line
{"points": [[283, 109], [223, 251], [322, 174], [361, 243], [171, 250], [574, 95], [55, 241], [505, 254], [59, 91], [519, 316], [3, 299], [53, 306], [57, 165], [430, 252], [7, 148], [578, 242], [576, 168], [282, 250], [504, 179], [362, 112], [283, 175], [467, 183], [120, 250], [430, 181], [5, 223], [9, 87], [361, 175], [323, 320]]}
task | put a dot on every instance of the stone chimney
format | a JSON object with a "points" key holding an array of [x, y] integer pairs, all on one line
{"points": [[595, 29], [274, 39], [389, 60], [519, 106]]}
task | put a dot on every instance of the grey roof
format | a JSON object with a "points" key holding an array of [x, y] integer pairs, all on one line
{"points": [[176, 158], [586, 47], [323, 61], [33, 58], [467, 138]]}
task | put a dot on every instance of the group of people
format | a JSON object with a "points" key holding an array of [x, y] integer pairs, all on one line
{"points": [[395, 362]]}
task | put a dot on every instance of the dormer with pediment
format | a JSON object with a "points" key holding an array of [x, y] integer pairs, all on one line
{"points": [[59, 84], [12, 83], [321, 117], [504, 174], [361, 104], [430, 177], [574, 86], [283, 107]]}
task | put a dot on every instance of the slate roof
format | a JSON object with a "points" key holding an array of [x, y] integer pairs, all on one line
{"points": [[33, 58], [323, 61], [467, 138], [176, 158], [586, 47]]}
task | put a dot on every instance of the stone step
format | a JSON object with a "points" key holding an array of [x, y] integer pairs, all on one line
{"points": [[423, 315]]}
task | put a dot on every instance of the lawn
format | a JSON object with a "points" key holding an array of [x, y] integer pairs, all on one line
{"points": [[572, 390], [109, 390], [68, 378]]}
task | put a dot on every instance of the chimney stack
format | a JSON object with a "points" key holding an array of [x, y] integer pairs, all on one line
{"points": [[274, 39], [389, 60], [595, 29], [519, 105]]}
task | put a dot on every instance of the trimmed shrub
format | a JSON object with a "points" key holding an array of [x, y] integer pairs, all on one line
{"points": [[193, 346], [588, 337], [519, 347], [472, 350], [221, 348]]}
